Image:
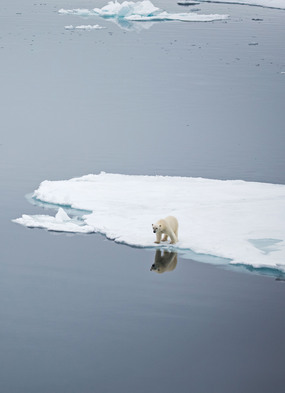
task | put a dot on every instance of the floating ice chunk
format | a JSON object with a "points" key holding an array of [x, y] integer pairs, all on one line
{"points": [[127, 8], [187, 3], [280, 4], [78, 11], [85, 27], [62, 216], [226, 219], [60, 223], [183, 17], [90, 27], [141, 11], [116, 9]]}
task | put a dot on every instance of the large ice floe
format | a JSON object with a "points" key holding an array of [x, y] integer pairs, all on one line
{"points": [[242, 222], [141, 11], [280, 4]]}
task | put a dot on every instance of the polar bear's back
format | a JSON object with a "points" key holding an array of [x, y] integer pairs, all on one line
{"points": [[173, 223]]}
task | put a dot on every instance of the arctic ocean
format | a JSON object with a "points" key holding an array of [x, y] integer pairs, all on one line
{"points": [[182, 107]]}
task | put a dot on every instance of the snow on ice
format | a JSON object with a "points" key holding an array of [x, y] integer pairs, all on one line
{"points": [[240, 221]]}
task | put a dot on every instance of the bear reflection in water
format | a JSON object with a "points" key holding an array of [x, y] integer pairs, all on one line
{"points": [[164, 262]]}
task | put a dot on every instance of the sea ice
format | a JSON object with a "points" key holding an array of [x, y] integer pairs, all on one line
{"points": [[141, 11], [187, 3], [183, 17], [84, 27], [237, 220], [280, 4], [60, 223]]}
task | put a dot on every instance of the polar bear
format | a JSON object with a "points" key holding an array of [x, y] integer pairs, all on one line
{"points": [[166, 227], [165, 262]]}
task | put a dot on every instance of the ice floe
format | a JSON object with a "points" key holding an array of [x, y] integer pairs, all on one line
{"points": [[141, 11], [237, 220], [60, 223], [188, 3], [84, 27], [280, 4]]}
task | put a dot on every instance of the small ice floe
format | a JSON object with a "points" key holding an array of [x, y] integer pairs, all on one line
{"points": [[84, 27], [241, 222], [279, 4], [60, 223], [141, 11], [187, 3], [182, 17]]}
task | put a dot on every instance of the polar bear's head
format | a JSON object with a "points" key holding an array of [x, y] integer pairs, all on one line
{"points": [[165, 262], [157, 228]]}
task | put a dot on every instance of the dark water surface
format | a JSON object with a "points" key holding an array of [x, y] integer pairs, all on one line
{"points": [[80, 313]]}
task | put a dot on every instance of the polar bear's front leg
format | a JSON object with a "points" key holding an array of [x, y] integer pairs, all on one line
{"points": [[172, 237], [165, 237], [158, 237]]}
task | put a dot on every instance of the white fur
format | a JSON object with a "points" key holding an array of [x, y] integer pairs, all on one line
{"points": [[165, 262], [167, 227]]}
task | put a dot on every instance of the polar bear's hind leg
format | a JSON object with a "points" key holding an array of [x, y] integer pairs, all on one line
{"points": [[176, 234], [172, 237]]}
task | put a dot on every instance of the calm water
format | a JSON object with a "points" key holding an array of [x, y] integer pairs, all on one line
{"points": [[80, 313]]}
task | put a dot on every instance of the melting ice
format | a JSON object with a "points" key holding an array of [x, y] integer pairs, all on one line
{"points": [[60, 223], [237, 220], [142, 11]]}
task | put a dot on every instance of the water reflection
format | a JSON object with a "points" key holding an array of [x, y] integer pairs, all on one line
{"points": [[165, 261], [131, 26]]}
